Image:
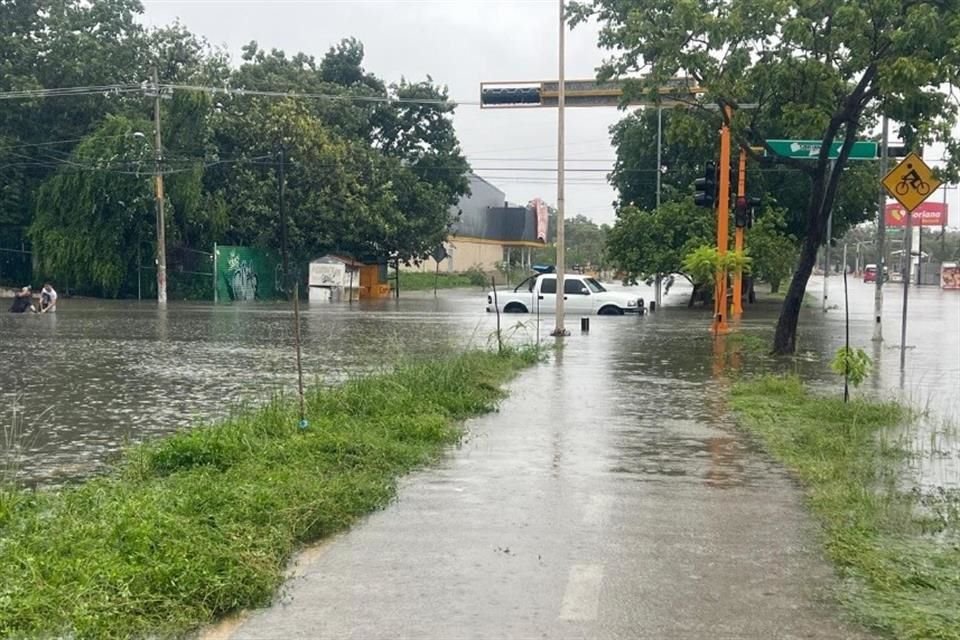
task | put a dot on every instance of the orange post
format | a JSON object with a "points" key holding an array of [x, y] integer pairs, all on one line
{"points": [[723, 227], [738, 237]]}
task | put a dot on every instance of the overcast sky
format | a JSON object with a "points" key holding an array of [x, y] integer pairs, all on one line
{"points": [[458, 43]]}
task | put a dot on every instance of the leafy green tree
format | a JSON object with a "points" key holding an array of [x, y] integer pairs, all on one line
{"points": [[820, 70], [96, 209], [646, 243], [688, 143], [773, 250]]}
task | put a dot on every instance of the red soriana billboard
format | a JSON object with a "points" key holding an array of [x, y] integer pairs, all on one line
{"points": [[540, 207], [928, 214]]}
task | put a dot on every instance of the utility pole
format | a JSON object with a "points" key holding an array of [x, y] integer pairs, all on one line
{"points": [[283, 220], [560, 331], [881, 233], [723, 222], [659, 165], [161, 225], [739, 232]]}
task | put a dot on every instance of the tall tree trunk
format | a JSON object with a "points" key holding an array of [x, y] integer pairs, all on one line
{"points": [[785, 339]]}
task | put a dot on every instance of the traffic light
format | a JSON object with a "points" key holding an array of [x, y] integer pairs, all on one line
{"points": [[510, 96], [741, 215], [705, 188]]}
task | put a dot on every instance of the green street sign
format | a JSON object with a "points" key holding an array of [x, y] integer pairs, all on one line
{"points": [[810, 149]]}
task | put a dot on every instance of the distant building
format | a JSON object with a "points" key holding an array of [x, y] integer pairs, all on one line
{"points": [[486, 230]]}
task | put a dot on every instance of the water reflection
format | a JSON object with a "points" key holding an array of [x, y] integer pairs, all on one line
{"points": [[100, 374]]}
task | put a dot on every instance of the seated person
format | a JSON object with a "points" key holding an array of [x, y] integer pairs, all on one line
{"points": [[48, 298], [21, 301]]}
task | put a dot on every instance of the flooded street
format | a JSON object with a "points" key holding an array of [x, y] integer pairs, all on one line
{"points": [[101, 374]]}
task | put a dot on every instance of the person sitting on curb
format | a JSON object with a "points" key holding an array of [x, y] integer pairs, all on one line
{"points": [[48, 299], [22, 301]]}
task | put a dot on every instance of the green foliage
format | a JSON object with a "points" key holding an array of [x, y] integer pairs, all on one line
{"points": [[584, 239], [363, 177], [898, 563], [202, 524], [821, 71], [89, 222], [643, 243], [774, 252], [425, 280], [852, 364], [703, 263]]}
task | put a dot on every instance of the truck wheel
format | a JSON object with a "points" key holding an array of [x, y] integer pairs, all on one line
{"points": [[515, 307], [611, 310]]}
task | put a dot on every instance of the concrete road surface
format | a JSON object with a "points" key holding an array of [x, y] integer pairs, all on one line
{"points": [[610, 497]]}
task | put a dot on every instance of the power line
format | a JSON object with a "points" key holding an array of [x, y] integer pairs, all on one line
{"points": [[105, 90]]}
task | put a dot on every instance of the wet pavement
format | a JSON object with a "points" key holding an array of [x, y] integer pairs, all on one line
{"points": [[610, 497]]}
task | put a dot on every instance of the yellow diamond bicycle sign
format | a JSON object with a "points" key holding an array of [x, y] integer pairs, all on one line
{"points": [[911, 182]]}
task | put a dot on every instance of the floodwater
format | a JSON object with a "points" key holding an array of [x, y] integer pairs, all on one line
{"points": [[101, 374]]}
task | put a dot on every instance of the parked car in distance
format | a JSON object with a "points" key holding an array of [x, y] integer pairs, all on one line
{"points": [[583, 295], [870, 273]]}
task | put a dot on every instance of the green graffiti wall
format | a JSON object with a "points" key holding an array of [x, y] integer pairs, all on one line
{"points": [[246, 274]]}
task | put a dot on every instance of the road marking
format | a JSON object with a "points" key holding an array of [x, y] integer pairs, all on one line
{"points": [[582, 597], [597, 509]]}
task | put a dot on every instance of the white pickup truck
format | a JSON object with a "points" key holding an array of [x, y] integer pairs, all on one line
{"points": [[583, 295]]}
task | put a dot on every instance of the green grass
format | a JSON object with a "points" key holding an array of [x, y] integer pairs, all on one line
{"points": [[201, 524], [416, 281], [898, 552]]}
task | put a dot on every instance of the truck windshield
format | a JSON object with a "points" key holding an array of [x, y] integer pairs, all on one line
{"points": [[595, 286]]}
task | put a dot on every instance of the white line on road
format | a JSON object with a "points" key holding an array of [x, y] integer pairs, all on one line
{"points": [[582, 597]]}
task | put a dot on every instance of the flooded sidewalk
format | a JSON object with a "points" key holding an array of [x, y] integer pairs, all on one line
{"points": [[610, 497]]}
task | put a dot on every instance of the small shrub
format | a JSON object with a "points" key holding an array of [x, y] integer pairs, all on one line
{"points": [[852, 363], [477, 276]]}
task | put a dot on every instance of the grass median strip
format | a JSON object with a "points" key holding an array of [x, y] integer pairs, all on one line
{"points": [[898, 553], [203, 523]]}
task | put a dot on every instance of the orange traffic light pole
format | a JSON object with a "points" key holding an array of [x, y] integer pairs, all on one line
{"points": [[723, 228], [738, 237]]}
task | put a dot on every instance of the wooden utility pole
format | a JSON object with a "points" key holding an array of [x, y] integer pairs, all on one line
{"points": [[739, 235], [158, 179], [723, 227]]}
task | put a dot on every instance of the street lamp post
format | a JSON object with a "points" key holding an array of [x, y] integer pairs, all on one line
{"points": [[560, 331]]}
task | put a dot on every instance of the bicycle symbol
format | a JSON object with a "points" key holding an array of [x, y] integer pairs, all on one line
{"points": [[912, 180]]}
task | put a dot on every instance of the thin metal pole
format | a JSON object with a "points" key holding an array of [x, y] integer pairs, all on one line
{"points": [[285, 260], [659, 149], [826, 253], [296, 334], [161, 224], [846, 308], [216, 295], [739, 233], [943, 228], [881, 234], [920, 251], [560, 330], [908, 252]]}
